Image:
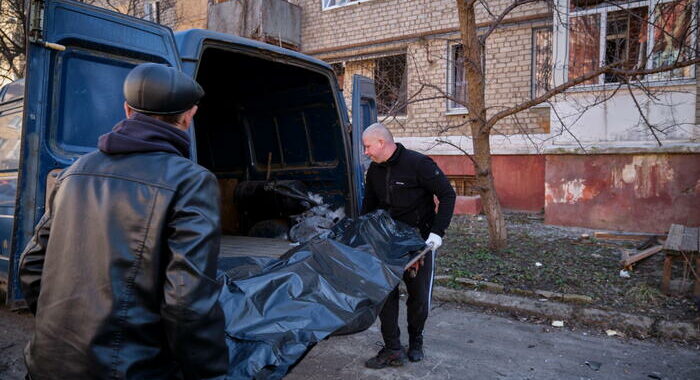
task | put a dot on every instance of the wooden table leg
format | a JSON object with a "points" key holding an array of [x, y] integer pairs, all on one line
{"points": [[666, 279], [696, 289]]}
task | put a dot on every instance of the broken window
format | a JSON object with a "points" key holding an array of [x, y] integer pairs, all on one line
{"points": [[456, 78], [464, 185], [335, 3], [584, 42], [626, 40], [541, 61], [390, 83], [672, 37], [578, 5], [622, 29]]}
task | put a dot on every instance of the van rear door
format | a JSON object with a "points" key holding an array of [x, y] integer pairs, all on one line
{"points": [[77, 58], [364, 114]]}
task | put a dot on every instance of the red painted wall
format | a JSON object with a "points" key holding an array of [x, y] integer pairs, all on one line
{"points": [[519, 179], [640, 192]]}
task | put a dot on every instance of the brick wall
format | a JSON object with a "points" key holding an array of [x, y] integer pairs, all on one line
{"points": [[381, 19], [178, 14], [424, 31]]}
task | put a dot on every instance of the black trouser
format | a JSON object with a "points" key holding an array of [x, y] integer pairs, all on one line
{"points": [[417, 305]]}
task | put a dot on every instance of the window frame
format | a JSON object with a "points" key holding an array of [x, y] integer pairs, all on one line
{"points": [[400, 113], [325, 7], [451, 106], [153, 14], [602, 11]]}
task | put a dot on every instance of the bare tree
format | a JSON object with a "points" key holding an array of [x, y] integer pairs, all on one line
{"points": [[13, 24], [12, 43]]}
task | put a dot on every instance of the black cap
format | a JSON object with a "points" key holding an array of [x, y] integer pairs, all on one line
{"points": [[153, 88]]}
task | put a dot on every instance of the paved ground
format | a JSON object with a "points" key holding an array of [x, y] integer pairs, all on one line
{"points": [[462, 343], [465, 343]]}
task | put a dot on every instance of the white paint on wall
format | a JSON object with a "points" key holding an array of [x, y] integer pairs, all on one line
{"points": [[568, 192], [649, 175]]}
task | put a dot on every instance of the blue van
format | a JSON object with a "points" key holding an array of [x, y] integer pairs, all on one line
{"points": [[271, 118]]}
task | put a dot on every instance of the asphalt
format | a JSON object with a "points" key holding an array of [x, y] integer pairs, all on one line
{"points": [[464, 343]]}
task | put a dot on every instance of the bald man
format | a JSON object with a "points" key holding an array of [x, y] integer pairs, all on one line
{"points": [[404, 183]]}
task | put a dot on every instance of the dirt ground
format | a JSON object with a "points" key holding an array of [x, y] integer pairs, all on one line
{"points": [[569, 264], [15, 330]]}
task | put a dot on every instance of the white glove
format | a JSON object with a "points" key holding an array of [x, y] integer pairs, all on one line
{"points": [[435, 240]]}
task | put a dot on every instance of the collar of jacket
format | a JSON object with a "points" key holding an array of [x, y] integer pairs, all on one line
{"points": [[141, 134], [394, 156]]}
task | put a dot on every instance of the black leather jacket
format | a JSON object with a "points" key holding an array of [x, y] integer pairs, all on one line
{"points": [[121, 272]]}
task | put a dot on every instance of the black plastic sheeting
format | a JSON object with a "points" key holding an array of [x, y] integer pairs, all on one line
{"points": [[278, 309]]}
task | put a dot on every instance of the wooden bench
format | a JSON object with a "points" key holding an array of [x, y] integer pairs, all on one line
{"points": [[682, 243]]}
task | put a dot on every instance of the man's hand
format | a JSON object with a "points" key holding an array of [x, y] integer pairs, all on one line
{"points": [[435, 240]]}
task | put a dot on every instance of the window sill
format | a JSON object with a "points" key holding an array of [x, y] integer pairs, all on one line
{"points": [[334, 7], [456, 112], [612, 86]]}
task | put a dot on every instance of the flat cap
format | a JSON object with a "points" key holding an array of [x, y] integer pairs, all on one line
{"points": [[153, 88]]}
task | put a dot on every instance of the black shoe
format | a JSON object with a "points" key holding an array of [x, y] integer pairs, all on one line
{"points": [[415, 349], [387, 357]]}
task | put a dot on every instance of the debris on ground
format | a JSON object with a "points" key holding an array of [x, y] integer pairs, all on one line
{"points": [[570, 265], [624, 274], [557, 323], [624, 236], [628, 259], [593, 365]]}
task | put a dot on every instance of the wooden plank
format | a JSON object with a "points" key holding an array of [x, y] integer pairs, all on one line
{"points": [[600, 235], [675, 238], [229, 211], [690, 240], [666, 278], [642, 255], [624, 256]]}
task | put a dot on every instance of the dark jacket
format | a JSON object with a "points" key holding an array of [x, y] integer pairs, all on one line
{"points": [[121, 270], [404, 185]]}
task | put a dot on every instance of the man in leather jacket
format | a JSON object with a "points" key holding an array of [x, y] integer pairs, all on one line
{"points": [[404, 182], [120, 272]]}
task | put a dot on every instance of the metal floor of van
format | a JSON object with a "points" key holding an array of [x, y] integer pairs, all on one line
{"points": [[252, 246]]}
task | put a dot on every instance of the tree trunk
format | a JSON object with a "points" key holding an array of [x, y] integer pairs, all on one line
{"points": [[476, 105]]}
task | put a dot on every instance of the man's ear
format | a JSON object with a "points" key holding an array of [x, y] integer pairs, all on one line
{"points": [[128, 111], [187, 117]]}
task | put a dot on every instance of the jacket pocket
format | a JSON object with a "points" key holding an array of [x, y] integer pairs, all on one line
{"points": [[405, 192]]}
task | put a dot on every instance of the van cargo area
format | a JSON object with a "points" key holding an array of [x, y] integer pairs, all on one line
{"points": [[272, 133]]}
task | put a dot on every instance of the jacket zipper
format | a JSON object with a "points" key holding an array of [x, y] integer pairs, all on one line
{"points": [[388, 187]]}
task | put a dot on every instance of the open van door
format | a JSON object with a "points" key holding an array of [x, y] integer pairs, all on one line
{"points": [[77, 58], [364, 114]]}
